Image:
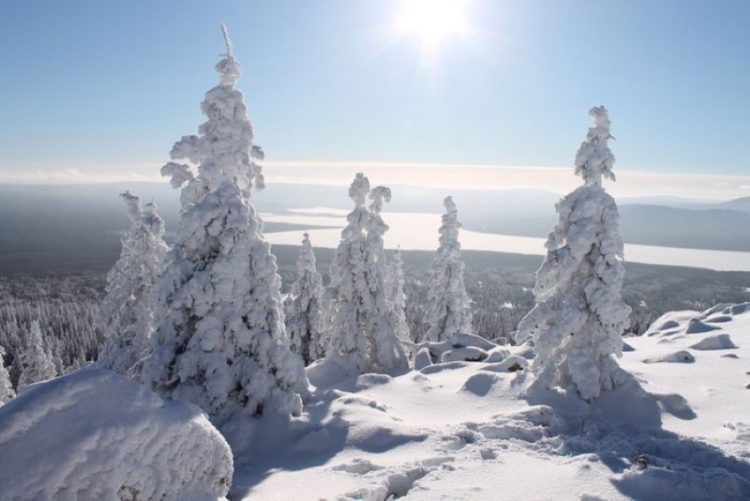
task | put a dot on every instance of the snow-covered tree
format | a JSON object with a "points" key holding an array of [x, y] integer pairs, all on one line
{"points": [[579, 317], [125, 314], [220, 340], [6, 388], [35, 362], [397, 296], [449, 306], [361, 329], [305, 308]]}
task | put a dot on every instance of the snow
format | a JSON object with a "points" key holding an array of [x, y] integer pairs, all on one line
{"points": [[449, 306], [219, 337], [579, 316], [95, 434], [125, 316], [479, 430], [362, 330]]}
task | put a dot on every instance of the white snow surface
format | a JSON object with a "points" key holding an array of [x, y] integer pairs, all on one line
{"points": [[479, 430], [95, 434]]}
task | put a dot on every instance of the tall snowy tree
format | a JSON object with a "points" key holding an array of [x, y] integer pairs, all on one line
{"points": [[125, 314], [361, 330], [220, 340], [6, 388], [35, 362], [579, 317], [305, 309], [397, 296], [449, 311]]}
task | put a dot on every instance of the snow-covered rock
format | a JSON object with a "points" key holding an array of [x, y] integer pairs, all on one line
{"points": [[94, 434]]}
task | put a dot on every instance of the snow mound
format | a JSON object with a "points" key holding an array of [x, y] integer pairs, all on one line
{"points": [[682, 356], [113, 439], [466, 354], [698, 326], [717, 342]]}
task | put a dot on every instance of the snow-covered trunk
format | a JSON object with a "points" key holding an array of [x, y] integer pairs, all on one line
{"points": [[361, 330], [220, 340], [579, 317], [305, 308], [449, 306], [125, 313]]}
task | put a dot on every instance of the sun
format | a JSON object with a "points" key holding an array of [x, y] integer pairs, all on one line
{"points": [[432, 20]]}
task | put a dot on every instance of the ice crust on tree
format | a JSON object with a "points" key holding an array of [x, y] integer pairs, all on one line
{"points": [[6, 387], [220, 340], [397, 296], [305, 308], [95, 434], [362, 332], [449, 306], [579, 316], [35, 361], [125, 314]]}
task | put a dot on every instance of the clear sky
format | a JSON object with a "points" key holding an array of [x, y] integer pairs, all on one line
{"points": [[110, 85]]}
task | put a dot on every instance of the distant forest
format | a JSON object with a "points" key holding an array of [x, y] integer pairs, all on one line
{"points": [[65, 303]]}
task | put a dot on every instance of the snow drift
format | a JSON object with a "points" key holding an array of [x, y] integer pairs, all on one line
{"points": [[94, 434]]}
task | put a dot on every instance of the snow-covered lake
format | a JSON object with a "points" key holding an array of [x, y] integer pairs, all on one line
{"points": [[418, 231]]}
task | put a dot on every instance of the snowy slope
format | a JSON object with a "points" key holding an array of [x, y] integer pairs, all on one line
{"points": [[94, 434], [473, 430]]}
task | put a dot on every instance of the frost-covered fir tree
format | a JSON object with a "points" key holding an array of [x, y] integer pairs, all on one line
{"points": [[579, 317], [6, 387], [35, 362], [449, 306], [125, 314], [362, 333], [220, 340], [397, 296], [305, 309]]}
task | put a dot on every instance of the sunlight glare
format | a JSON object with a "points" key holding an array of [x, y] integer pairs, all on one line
{"points": [[432, 20]]}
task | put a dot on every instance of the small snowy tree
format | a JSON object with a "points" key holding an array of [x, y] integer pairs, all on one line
{"points": [[220, 340], [125, 314], [579, 317], [449, 306], [6, 388], [305, 308], [397, 296], [35, 362], [361, 330]]}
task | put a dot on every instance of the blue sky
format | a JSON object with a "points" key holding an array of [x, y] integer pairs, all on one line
{"points": [[116, 83]]}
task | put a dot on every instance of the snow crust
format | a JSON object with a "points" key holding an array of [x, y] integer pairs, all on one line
{"points": [[95, 434]]}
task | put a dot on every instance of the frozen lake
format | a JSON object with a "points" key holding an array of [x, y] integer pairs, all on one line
{"points": [[418, 231]]}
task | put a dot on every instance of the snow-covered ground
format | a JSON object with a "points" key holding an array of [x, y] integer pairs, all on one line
{"points": [[679, 428]]}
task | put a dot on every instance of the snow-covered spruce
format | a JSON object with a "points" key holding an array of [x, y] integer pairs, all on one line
{"points": [[95, 434], [449, 306], [397, 296], [305, 308], [125, 314], [220, 340], [35, 362], [362, 334], [579, 316], [6, 387]]}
